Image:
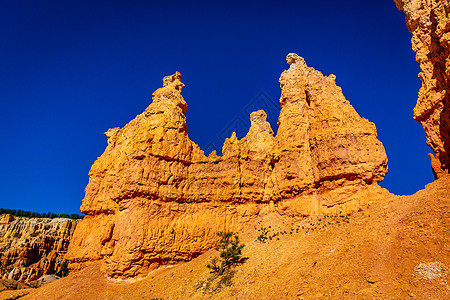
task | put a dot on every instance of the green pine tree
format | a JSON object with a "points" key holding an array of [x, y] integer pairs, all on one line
{"points": [[230, 252]]}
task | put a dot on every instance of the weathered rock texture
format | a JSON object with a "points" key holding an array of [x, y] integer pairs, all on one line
{"points": [[429, 22], [396, 248], [154, 198], [32, 247]]}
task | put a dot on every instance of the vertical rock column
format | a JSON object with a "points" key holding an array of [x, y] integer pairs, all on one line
{"points": [[429, 23]]}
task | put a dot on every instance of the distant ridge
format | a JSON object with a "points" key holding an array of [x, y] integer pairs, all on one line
{"points": [[29, 214]]}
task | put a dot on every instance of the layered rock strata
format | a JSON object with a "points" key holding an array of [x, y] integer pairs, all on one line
{"points": [[154, 198], [32, 247], [429, 23]]}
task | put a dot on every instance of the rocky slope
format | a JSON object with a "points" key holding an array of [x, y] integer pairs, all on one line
{"points": [[428, 21], [154, 198], [32, 247], [396, 248]]}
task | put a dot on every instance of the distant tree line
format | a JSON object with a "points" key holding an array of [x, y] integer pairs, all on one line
{"points": [[29, 214]]}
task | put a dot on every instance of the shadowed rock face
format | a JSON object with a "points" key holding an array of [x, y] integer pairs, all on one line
{"points": [[32, 247], [154, 198], [428, 21]]}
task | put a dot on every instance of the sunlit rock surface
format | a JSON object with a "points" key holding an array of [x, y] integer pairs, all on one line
{"points": [[429, 23], [154, 198]]}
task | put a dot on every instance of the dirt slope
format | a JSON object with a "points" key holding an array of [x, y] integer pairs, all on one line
{"points": [[393, 249]]}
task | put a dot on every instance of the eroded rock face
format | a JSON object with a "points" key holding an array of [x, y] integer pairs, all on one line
{"points": [[154, 198], [32, 247], [429, 22]]}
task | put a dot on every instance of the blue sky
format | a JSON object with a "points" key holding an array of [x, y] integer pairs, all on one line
{"points": [[70, 70]]}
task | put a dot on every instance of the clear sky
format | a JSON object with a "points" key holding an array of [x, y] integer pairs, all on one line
{"points": [[70, 70]]}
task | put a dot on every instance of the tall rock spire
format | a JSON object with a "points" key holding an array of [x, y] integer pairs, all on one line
{"points": [[154, 198]]}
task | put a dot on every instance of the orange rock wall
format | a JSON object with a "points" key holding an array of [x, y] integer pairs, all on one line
{"points": [[154, 198], [429, 23]]}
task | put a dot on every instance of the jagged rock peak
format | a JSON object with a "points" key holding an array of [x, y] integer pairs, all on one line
{"points": [[170, 92], [174, 80], [295, 60], [259, 122], [154, 198]]}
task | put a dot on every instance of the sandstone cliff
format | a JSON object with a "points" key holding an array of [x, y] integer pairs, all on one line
{"points": [[396, 248], [429, 22], [32, 247], [154, 198]]}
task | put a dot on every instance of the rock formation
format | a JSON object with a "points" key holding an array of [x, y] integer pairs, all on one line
{"points": [[429, 22], [154, 198], [32, 247]]}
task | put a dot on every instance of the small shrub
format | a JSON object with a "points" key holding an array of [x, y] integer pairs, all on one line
{"points": [[262, 237], [230, 253], [64, 271]]}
